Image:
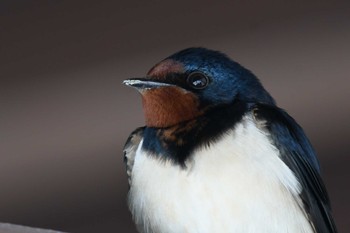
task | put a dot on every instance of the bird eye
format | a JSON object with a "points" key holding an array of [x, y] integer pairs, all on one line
{"points": [[197, 80]]}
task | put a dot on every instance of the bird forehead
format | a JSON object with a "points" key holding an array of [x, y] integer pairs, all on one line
{"points": [[165, 67]]}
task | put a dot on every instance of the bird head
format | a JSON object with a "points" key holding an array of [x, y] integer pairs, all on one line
{"points": [[188, 83]]}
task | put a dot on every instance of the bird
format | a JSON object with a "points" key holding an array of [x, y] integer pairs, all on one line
{"points": [[217, 154]]}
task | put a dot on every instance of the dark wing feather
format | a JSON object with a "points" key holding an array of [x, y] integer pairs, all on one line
{"points": [[130, 148], [298, 154]]}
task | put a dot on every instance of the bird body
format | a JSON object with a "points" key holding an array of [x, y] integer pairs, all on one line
{"points": [[220, 198], [217, 154]]}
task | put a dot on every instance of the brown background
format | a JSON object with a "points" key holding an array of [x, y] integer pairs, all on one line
{"points": [[65, 114]]}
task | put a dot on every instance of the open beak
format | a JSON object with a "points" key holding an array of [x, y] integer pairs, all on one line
{"points": [[144, 84]]}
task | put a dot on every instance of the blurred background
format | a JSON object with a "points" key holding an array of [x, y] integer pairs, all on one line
{"points": [[64, 114]]}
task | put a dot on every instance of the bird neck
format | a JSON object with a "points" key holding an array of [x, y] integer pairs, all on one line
{"points": [[178, 141]]}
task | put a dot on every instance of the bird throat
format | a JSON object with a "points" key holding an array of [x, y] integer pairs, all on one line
{"points": [[167, 106]]}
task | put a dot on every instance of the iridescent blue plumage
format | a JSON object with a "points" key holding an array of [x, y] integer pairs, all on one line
{"points": [[230, 80], [300, 157]]}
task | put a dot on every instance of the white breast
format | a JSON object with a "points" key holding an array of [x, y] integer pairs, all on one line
{"points": [[238, 184]]}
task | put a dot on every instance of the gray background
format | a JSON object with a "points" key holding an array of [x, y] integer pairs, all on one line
{"points": [[65, 114]]}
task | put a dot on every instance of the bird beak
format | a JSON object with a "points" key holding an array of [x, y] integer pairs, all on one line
{"points": [[144, 84]]}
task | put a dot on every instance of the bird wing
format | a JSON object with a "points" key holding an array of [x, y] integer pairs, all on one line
{"points": [[130, 148], [298, 154]]}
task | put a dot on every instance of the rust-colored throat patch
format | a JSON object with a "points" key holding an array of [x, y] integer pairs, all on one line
{"points": [[168, 106]]}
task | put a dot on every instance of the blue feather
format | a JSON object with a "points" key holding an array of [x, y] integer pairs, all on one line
{"points": [[296, 151]]}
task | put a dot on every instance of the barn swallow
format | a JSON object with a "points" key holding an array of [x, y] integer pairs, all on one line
{"points": [[217, 154]]}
